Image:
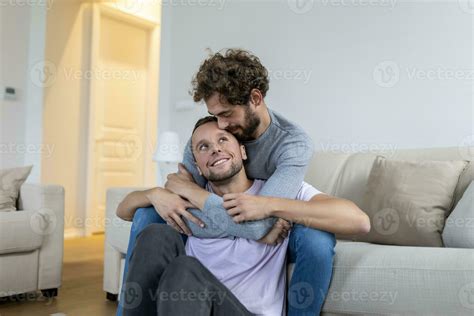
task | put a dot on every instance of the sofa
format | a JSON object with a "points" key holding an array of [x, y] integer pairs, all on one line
{"points": [[368, 278], [31, 242]]}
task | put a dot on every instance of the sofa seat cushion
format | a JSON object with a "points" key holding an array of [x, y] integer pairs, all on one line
{"points": [[385, 279], [20, 231]]}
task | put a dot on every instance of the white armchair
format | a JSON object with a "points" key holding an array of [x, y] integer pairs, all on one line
{"points": [[31, 242]]}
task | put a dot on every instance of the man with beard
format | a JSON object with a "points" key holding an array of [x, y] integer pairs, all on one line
{"points": [[233, 85], [221, 276]]}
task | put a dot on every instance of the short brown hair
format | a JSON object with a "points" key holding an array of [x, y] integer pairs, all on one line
{"points": [[203, 121], [233, 74]]}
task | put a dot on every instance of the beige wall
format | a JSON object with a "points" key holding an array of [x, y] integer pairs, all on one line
{"points": [[65, 108]]}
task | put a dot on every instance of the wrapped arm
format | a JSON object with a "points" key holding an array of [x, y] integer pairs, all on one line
{"points": [[218, 224], [285, 182]]}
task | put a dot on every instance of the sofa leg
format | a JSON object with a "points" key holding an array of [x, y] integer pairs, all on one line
{"points": [[50, 292], [111, 297]]}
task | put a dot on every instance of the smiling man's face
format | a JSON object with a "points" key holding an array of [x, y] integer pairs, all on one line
{"points": [[219, 156]]}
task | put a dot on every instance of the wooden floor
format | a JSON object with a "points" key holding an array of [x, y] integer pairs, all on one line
{"points": [[81, 292]]}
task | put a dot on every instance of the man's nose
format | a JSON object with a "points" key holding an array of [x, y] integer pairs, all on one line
{"points": [[216, 148], [222, 123]]}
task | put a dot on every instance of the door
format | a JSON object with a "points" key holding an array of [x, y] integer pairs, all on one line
{"points": [[123, 104]]}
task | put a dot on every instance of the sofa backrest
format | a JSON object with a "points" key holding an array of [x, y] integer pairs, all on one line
{"points": [[345, 175]]}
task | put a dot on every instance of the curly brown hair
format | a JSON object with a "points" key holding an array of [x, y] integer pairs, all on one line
{"points": [[233, 74]]}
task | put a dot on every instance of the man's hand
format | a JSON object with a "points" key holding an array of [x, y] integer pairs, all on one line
{"points": [[182, 184], [246, 207], [277, 234], [171, 207]]}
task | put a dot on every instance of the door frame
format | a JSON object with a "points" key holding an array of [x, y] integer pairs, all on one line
{"points": [[151, 109]]}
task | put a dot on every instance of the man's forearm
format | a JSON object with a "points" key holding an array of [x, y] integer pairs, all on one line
{"points": [[322, 212], [196, 195], [126, 209]]}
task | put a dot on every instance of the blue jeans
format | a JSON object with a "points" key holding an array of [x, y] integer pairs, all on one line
{"points": [[311, 250]]}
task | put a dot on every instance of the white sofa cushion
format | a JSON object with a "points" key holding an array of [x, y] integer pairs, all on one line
{"points": [[19, 232], [398, 280], [459, 228]]}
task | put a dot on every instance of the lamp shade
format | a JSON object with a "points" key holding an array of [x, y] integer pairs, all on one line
{"points": [[168, 148]]}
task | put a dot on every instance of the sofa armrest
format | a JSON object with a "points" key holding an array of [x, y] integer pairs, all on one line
{"points": [[47, 200], [115, 226], [114, 197], [116, 237]]}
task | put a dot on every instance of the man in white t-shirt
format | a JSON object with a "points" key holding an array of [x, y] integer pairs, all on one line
{"points": [[219, 276]]}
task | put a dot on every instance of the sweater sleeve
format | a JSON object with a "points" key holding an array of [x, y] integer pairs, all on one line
{"points": [[285, 182]]}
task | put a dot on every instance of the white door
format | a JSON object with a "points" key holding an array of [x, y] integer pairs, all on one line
{"points": [[122, 131]]}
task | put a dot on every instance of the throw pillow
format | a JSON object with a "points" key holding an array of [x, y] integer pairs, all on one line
{"points": [[10, 183]]}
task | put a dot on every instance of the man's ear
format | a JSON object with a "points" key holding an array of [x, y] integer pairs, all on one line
{"points": [[243, 152], [256, 97], [199, 170]]}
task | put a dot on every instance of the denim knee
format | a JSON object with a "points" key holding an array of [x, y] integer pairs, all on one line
{"points": [[312, 242], [145, 216]]}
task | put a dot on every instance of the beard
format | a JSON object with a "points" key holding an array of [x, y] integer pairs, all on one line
{"points": [[226, 176], [248, 131]]}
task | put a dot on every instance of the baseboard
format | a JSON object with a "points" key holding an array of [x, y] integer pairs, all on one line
{"points": [[73, 232]]}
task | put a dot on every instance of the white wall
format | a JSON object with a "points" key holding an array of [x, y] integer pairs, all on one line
{"points": [[22, 50], [325, 65], [14, 42]]}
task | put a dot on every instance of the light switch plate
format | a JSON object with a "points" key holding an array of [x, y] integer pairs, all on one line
{"points": [[9, 93]]}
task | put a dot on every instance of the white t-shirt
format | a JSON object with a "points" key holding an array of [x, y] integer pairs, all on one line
{"points": [[254, 272]]}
